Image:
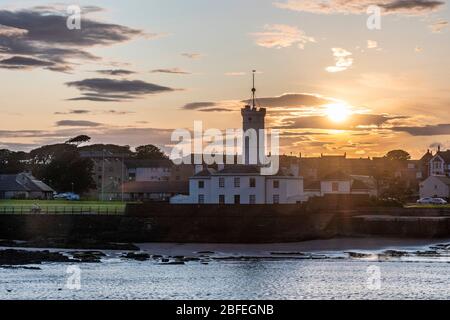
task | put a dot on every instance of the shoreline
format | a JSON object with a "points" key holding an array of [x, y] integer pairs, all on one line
{"points": [[335, 245]]}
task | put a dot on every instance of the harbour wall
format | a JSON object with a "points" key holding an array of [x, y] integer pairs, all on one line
{"points": [[160, 222]]}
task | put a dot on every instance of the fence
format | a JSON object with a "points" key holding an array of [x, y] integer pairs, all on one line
{"points": [[73, 210]]}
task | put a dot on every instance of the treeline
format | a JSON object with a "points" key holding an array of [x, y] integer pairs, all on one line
{"points": [[62, 167]]}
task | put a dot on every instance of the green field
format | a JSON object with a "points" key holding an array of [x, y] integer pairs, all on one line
{"points": [[62, 206], [428, 206]]}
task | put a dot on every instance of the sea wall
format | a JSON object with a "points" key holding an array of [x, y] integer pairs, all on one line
{"points": [[160, 222]]}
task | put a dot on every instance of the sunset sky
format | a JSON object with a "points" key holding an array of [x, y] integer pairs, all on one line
{"points": [[139, 69]]}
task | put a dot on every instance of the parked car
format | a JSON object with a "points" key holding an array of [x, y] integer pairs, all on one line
{"points": [[439, 201], [430, 200], [67, 196]]}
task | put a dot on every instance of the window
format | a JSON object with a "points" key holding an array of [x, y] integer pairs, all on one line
{"points": [[237, 182], [201, 198], [335, 187], [237, 199], [221, 182], [252, 183], [276, 198], [201, 184], [252, 199], [221, 199], [276, 184]]}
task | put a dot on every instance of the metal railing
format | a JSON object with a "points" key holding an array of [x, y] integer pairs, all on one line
{"points": [[69, 210]]}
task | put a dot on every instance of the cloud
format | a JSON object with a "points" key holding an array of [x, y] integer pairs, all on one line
{"points": [[235, 74], [115, 72], [103, 90], [281, 36], [438, 26], [77, 123], [41, 33], [199, 105], [192, 55], [371, 44], [77, 111], [406, 7], [82, 111], [343, 60], [355, 122], [18, 62], [293, 100], [287, 100], [429, 130], [170, 71], [216, 110]]}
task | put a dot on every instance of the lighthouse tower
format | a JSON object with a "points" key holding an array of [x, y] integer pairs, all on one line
{"points": [[253, 118]]}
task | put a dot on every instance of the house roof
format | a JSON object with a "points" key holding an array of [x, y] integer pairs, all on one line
{"points": [[444, 155], [312, 185], [22, 182], [359, 185], [336, 176], [176, 187], [445, 180], [239, 169], [8, 182]]}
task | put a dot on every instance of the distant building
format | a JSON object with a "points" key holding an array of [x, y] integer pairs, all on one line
{"points": [[148, 170], [436, 187], [154, 191], [440, 163], [23, 186], [109, 173], [339, 183]]}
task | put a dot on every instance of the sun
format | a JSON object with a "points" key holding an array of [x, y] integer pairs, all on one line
{"points": [[337, 112]]}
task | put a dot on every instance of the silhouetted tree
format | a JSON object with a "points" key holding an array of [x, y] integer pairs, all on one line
{"points": [[67, 170], [79, 140], [150, 152], [399, 155], [12, 162]]}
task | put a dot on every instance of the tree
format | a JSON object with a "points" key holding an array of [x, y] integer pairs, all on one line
{"points": [[399, 155], [67, 171], [79, 140], [150, 152], [45, 154], [112, 148], [12, 162]]}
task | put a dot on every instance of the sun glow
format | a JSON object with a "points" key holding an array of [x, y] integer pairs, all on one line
{"points": [[338, 112]]}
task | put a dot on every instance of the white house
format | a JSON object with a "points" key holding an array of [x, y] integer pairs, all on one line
{"points": [[242, 184], [436, 187], [340, 183]]}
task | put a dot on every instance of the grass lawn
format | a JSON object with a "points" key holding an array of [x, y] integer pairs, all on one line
{"points": [[428, 206], [63, 206]]}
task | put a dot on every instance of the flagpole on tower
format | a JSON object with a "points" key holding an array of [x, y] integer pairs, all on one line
{"points": [[254, 89]]}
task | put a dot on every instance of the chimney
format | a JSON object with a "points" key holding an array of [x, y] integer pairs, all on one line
{"points": [[295, 169], [198, 168], [439, 148]]}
